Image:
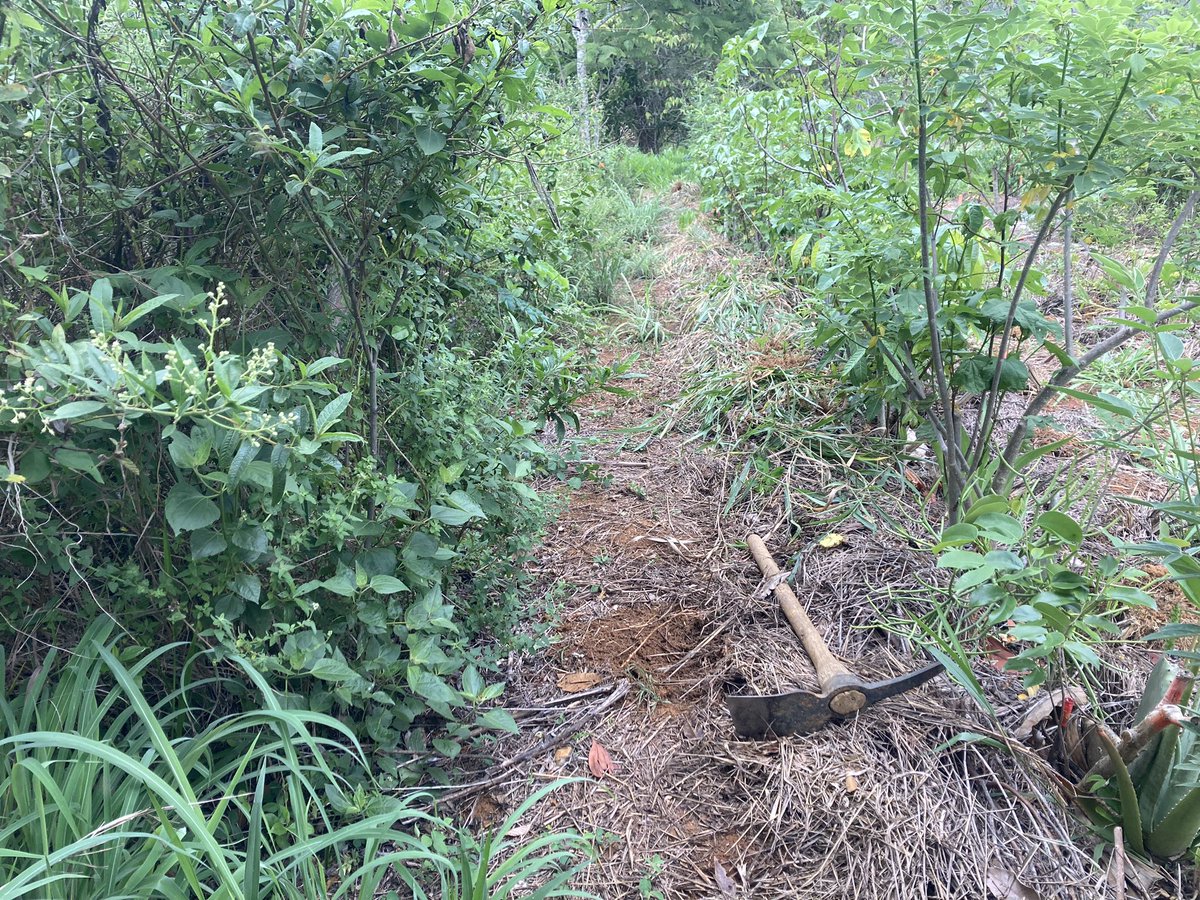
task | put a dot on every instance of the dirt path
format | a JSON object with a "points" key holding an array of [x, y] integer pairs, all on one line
{"points": [[659, 615]]}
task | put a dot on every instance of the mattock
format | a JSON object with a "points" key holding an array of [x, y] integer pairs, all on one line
{"points": [[843, 694]]}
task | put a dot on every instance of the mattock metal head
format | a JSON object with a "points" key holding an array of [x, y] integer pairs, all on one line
{"points": [[802, 712]]}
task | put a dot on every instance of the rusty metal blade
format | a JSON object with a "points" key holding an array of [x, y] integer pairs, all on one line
{"points": [[802, 712]]}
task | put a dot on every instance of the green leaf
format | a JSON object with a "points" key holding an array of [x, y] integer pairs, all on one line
{"points": [[449, 516], [1174, 631], [1004, 561], [78, 461], [987, 504], [464, 501], [245, 454], [144, 309], [499, 720], [429, 140], [11, 92], [387, 584], [973, 578], [206, 543], [974, 374], [962, 533], [1130, 814], [1000, 527], [78, 409], [333, 670], [1062, 526], [960, 559], [331, 413], [1129, 595], [187, 509], [432, 688], [472, 682], [1101, 400], [247, 586]]}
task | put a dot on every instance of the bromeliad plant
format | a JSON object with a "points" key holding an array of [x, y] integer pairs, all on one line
{"points": [[1149, 780]]}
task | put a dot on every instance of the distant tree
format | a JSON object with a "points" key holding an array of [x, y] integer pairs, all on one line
{"points": [[645, 54]]}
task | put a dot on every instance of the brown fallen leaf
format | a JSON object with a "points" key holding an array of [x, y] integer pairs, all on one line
{"points": [[599, 762], [1003, 885], [574, 682], [724, 882], [998, 653]]}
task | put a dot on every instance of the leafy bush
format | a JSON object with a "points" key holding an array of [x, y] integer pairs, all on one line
{"points": [[1034, 589], [263, 541], [907, 167], [321, 466]]}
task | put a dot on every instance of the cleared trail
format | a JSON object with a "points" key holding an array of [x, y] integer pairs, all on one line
{"points": [[659, 614]]}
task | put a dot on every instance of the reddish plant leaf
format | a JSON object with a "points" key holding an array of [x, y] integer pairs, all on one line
{"points": [[599, 762]]}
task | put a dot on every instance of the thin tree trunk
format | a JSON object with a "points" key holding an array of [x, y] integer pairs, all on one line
{"points": [[1068, 287], [583, 30]]}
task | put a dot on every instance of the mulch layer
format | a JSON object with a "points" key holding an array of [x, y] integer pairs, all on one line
{"points": [[661, 615]]}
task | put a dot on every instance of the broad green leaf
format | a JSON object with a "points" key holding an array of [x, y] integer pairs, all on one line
{"points": [[448, 515], [79, 461], [187, 509], [206, 543], [1004, 561], [499, 720], [1062, 526], [387, 584], [333, 670], [429, 140], [960, 559], [1000, 527], [974, 374]]}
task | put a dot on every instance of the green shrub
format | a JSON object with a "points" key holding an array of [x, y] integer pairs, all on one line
{"points": [[212, 496]]}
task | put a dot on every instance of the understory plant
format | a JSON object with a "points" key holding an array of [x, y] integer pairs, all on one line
{"points": [[109, 790], [1026, 581], [909, 166]]}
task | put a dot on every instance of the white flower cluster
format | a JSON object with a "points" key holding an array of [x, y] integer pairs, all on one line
{"points": [[216, 300], [260, 364], [22, 398]]}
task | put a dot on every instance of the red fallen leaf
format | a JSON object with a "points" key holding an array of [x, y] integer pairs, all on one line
{"points": [[998, 653], [599, 761]]}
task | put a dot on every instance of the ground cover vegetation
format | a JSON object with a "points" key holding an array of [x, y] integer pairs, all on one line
{"points": [[313, 309]]}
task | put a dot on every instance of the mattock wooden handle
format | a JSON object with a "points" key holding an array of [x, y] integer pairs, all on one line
{"points": [[831, 673]]}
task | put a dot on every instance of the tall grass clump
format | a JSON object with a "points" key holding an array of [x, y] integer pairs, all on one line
{"points": [[656, 172], [109, 789]]}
